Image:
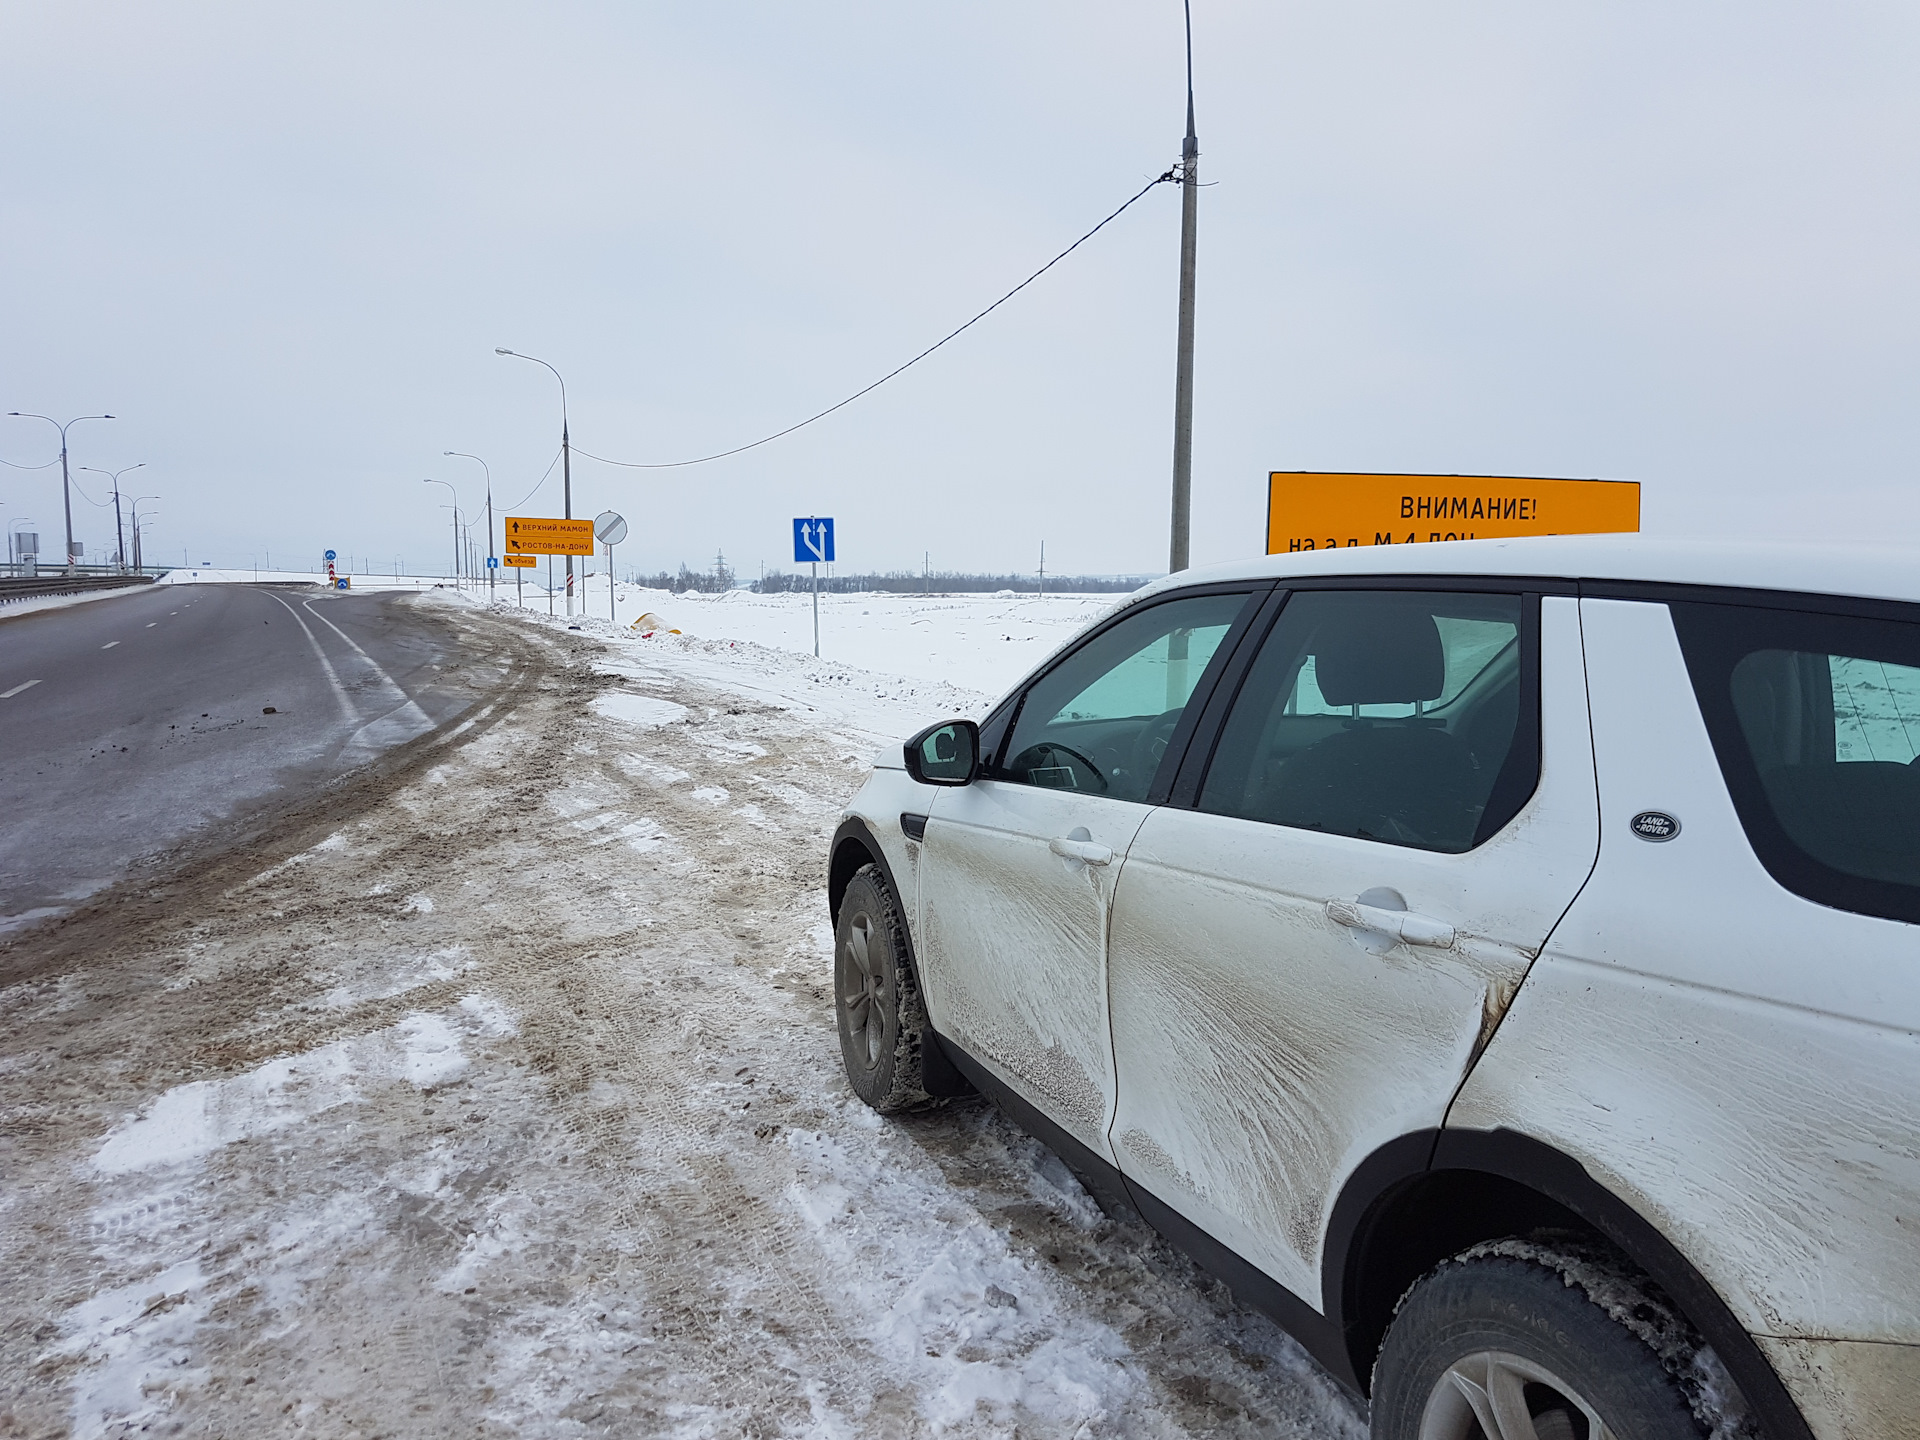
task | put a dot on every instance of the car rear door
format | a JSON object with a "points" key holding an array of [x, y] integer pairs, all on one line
{"points": [[1307, 954]]}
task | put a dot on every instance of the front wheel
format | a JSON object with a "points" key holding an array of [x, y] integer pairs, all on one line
{"points": [[881, 1016], [1499, 1347]]}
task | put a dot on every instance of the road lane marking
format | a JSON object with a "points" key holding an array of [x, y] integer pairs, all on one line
{"points": [[9, 694], [399, 724], [152, 623], [339, 690], [110, 644]]}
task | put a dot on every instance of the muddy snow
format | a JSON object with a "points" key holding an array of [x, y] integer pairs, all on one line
{"points": [[495, 1091]]}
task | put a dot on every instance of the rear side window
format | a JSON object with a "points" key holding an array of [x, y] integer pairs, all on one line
{"points": [[1815, 719], [1407, 718]]}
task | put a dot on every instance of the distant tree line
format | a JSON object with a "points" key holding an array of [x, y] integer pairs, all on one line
{"points": [[899, 582], [946, 582]]}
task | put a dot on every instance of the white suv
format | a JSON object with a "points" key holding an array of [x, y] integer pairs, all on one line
{"points": [[1498, 961]]}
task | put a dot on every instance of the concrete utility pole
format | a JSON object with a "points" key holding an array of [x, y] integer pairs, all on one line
{"points": [[1181, 530], [66, 481]]}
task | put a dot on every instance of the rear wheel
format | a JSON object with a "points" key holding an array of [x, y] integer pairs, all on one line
{"points": [[882, 1019], [1499, 1347]]}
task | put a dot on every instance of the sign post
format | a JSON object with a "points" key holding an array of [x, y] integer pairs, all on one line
{"points": [[813, 544], [610, 528], [1318, 510]]}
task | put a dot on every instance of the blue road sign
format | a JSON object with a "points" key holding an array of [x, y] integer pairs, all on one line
{"points": [[813, 539], [493, 562], [342, 583], [333, 555]]}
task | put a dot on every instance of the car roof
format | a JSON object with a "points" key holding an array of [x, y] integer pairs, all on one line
{"points": [[1863, 571]]}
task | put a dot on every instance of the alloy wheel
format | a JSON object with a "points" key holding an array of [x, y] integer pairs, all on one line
{"points": [[1493, 1395], [862, 989]]}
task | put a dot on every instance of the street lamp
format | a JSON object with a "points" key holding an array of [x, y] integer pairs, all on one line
{"points": [[136, 526], [456, 525], [140, 524], [119, 536], [66, 484], [489, 469], [566, 456]]}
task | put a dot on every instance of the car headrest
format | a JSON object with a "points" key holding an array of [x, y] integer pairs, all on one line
{"points": [[1379, 654]]}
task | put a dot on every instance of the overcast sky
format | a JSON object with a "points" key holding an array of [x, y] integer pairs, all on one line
{"points": [[1670, 242]]}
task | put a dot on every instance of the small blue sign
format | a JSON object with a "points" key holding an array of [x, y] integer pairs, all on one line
{"points": [[332, 555], [342, 583], [493, 562], [813, 540]]}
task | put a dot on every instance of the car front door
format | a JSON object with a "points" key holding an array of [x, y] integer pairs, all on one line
{"points": [[1016, 870], [1307, 956]]}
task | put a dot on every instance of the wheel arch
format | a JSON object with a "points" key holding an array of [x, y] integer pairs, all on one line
{"points": [[855, 845], [1423, 1197]]}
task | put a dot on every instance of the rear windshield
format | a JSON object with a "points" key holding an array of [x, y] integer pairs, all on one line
{"points": [[1816, 722]]}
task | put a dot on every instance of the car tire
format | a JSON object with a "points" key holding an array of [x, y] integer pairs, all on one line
{"points": [[1513, 1347], [878, 1008]]}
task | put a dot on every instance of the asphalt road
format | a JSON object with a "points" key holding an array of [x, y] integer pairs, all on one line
{"points": [[132, 724]]}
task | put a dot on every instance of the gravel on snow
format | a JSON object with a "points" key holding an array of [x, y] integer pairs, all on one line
{"points": [[496, 1093]]}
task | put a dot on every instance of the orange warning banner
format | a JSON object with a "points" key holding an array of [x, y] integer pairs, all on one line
{"points": [[1322, 510]]}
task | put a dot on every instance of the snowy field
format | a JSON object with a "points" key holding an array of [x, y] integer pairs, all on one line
{"points": [[500, 1096]]}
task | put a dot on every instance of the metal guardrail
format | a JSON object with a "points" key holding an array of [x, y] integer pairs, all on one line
{"points": [[20, 587]]}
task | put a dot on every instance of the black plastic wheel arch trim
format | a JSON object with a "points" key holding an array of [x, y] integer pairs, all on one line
{"points": [[937, 1075], [1559, 1177]]}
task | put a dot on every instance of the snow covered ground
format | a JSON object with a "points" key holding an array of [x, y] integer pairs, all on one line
{"points": [[500, 1095]]}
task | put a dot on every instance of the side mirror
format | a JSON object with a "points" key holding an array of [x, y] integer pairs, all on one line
{"points": [[946, 754]]}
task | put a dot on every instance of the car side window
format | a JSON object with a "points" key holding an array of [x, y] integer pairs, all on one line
{"points": [[1101, 719], [1815, 719], [1392, 716]]}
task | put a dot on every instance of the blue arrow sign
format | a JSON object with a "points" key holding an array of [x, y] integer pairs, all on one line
{"points": [[493, 562], [813, 540], [332, 555]]}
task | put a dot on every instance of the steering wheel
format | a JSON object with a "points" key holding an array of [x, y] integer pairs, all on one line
{"points": [[1150, 745], [1042, 757]]}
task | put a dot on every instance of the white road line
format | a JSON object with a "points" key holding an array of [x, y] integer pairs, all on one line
{"points": [[339, 690], [110, 644], [401, 723], [9, 694], [152, 623]]}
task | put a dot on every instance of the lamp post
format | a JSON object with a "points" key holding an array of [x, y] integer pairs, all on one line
{"points": [[136, 526], [119, 535], [139, 533], [489, 471], [566, 457], [66, 482], [456, 526]]}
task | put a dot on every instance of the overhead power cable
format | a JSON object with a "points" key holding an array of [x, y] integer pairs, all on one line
{"points": [[1166, 179], [18, 466], [543, 480]]}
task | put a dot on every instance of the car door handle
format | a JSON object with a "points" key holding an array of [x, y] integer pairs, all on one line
{"points": [[1083, 850], [1404, 925]]}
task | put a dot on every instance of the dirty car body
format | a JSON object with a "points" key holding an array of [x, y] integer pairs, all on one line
{"points": [[1340, 913]]}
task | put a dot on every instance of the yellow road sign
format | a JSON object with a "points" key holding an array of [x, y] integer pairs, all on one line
{"points": [[529, 536], [1317, 510], [518, 562]]}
